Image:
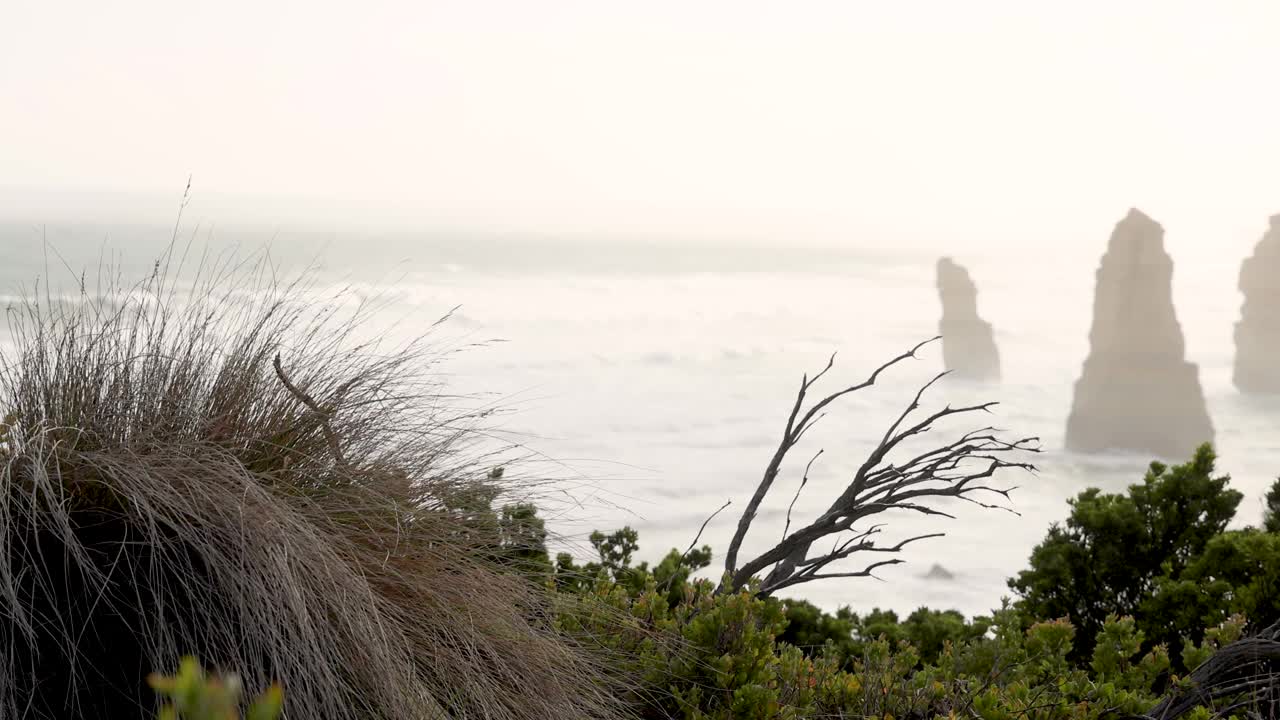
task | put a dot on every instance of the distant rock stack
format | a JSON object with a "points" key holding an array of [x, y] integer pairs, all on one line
{"points": [[968, 345], [1137, 391], [937, 572], [1257, 368]]}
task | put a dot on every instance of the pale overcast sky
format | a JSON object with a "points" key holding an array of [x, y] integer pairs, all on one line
{"points": [[999, 122]]}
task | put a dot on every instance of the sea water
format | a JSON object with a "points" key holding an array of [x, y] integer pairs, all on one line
{"points": [[653, 380]]}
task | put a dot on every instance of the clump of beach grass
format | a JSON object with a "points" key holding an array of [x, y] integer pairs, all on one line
{"points": [[223, 467]]}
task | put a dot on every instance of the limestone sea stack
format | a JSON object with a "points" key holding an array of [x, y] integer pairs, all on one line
{"points": [[968, 345], [1257, 367], [1137, 392]]}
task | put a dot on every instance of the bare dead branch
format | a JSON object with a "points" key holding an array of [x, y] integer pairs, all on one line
{"points": [[791, 435], [804, 480], [322, 414], [958, 468], [706, 522]]}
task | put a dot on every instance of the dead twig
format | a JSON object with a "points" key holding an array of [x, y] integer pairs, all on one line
{"points": [[685, 555], [323, 415], [706, 522], [804, 480]]}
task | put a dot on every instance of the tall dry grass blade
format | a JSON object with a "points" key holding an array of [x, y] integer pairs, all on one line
{"points": [[164, 491]]}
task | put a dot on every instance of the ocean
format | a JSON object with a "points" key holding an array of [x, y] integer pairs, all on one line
{"points": [[654, 379]]}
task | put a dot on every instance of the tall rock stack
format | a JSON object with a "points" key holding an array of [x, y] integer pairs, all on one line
{"points": [[1137, 391], [1257, 368], [968, 345]]}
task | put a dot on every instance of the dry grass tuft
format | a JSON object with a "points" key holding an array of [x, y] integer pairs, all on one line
{"points": [[168, 487]]}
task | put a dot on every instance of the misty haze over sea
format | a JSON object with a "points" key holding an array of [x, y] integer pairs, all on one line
{"points": [[656, 376]]}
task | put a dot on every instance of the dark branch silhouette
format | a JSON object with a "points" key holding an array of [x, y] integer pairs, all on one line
{"points": [[956, 469], [685, 555]]}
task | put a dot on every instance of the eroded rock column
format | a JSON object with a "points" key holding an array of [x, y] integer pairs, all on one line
{"points": [[1137, 392], [968, 344], [1257, 366]]}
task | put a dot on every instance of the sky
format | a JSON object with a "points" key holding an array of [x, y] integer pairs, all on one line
{"points": [[985, 123]]}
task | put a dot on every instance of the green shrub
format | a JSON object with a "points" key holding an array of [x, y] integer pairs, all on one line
{"points": [[696, 653], [193, 695], [1271, 513], [1116, 550]]}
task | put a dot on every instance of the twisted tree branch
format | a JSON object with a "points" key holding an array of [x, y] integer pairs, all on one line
{"points": [[955, 469]]}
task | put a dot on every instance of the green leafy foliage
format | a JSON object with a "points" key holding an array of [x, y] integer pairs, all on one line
{"points": [[1195, 654], [191, 694], [523, 537], [613, 564], [722, 656], [1135, 590], [1271, 514], [1238, 573], [1116, 550], [846, 635]]}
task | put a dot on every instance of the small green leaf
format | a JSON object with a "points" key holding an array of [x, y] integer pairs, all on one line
{"points": [[268, 706]]}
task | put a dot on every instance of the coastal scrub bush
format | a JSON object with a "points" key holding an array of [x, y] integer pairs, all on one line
{"points": [[702, 652], [191, 694], [1116, 551], [721, 655], [1271, 513]]}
